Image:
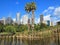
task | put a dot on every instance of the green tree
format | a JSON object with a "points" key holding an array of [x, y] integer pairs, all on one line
{"points": [[10, 29], [21, 28], [37, 27], [1, 27], [28, 9], [31, 7]]}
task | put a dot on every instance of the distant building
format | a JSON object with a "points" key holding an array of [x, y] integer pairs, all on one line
{"points": [[3, 21], [51, 21], [41, 19], [58, 23], [45, 22], [51, 24], [48, 22], [9, 20], [25, 19], [28, 21], [18, 18]]}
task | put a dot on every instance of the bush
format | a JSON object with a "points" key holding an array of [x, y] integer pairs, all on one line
{"points": [[42, 25], [10, 29], [37, 27], [21, 28], [1, 27]]}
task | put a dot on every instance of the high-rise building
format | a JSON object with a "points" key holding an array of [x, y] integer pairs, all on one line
{"points": [[25, 19], [51, 20], [48, 22], [3, 20], [18, 18], [9, 20], [41, 18], [45, 22]]}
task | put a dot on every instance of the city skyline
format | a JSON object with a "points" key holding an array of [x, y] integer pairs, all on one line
{"points": [[47, 8]]}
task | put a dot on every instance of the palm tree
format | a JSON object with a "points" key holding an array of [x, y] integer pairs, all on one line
{"points": [[28, 9], [31, 7]]}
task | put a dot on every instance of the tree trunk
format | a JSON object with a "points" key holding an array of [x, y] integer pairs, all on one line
{"points": [[32, 20], [28, 25], [28, 22]]}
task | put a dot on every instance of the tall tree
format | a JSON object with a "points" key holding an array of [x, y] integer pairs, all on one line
{"points": [[28, 9], [31, 7]]}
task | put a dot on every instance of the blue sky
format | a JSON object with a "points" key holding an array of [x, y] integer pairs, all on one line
{"points": [[46, 7]]}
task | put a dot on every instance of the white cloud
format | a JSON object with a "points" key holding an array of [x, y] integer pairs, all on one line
{"points": [[51, 8], [17, 2], [57, 11], [21, 20], [14, 19], [58, 20], [47, 17], [37, 20], [48, 9], [45, 11]]}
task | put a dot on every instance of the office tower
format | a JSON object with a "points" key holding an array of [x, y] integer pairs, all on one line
{"points": [[51, 20], [1, 21], [41, 18], [58, 23], [9, 20], [48, 22], [25, 19], [4, 20], [45, 22], [18, 18]]}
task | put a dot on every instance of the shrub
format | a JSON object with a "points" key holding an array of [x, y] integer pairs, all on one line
{"points": [[1, 27], [10, 29]]}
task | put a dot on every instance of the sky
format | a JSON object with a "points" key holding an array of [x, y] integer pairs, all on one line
{"points": [[46, 7]]}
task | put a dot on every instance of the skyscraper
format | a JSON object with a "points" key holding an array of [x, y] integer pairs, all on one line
{"points": [[48, 22], [41, 18], [51, 20], [18, 18], [9, 20], [4, 20], [25, 19]]}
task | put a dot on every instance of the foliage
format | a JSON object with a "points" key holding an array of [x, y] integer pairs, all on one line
{"points": [[37, 27], [10, 28], [21, 28], [33, 6], [42, 25], [30, 6], [1, 27], [27, 7]]}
